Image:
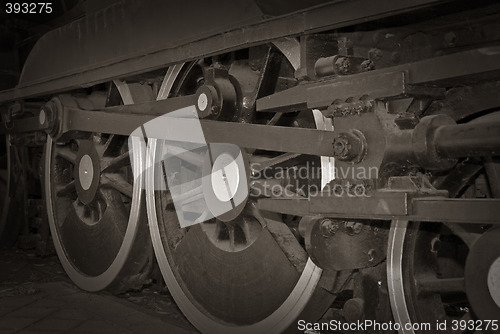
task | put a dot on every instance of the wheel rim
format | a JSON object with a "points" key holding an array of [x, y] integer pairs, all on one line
{"points": [[95, 210], [395, 274], [197, 299]]}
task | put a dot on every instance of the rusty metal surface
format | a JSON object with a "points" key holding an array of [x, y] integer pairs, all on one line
{"points": [[146, 36]]}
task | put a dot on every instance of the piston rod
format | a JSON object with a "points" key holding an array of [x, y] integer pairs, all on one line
{"points": [[437, 142], [473, 139]]}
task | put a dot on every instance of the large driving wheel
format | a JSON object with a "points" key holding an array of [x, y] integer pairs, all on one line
{"points": [[96, 211], [241, 271]]}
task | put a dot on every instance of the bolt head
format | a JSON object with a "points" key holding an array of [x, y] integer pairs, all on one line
{"points": [[450, 39], [42, 117], [353, 227], [343, 65], [375, 54], [329, 227], [341, 147], [367, 65], [357, 228]]}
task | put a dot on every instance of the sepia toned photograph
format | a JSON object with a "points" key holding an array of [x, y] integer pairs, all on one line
{"points": [[250, 166]]}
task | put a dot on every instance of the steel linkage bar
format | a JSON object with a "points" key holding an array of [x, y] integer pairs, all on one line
{"points": [[434, 144], [388, 206]]}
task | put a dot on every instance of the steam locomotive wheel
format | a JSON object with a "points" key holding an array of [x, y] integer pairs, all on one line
{"points": [[241, 272], [96, 210], [435, 270]]}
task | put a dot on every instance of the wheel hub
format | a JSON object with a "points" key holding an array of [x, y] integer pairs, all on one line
{"points": [[88, 172], [207, 102], [202, 102], [482, 276], [494, 281], [225, 177], [225, 181], [217, 99]]}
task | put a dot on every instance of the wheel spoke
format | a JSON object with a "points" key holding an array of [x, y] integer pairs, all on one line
{"points": [[467, 237], [203, 217], [66, 189], [249, 228], [117, 182], [219, 227], [273, 161], [230, 231], [111, 144], [190, 192], [167, 200], [269, 69], [186, 155], [253, 211], [66, 154], [125, 92], [492, 167], [428, 283], [123, 160], [66, 212], [246, 228], [168, 81], [195, 195], [93, 215], [275, 118]]}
